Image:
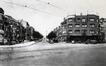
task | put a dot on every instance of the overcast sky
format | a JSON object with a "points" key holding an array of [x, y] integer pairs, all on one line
{"points": [[45, 15]]}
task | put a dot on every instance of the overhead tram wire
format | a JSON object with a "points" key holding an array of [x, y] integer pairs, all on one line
{"points": [[48, 3], [26, 6]]}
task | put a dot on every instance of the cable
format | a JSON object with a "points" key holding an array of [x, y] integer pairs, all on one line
{"points": [[48, 3], [26, 6]]}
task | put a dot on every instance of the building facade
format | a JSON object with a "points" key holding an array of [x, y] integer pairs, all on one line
{"points": [[103, 26], [79, 27]]}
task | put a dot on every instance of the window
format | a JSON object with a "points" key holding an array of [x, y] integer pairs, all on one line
{"points": [[1, 26], [78, 19], [84, 25], [84, 31], [59, 34], [92, 25], [1, 31], [70, 25], [70, 19], [77, 31], [60, 31], [11, 25], [92, 19], [77, 25], [70, 31], [104, 20], [92, 31], [97, 20], [83, 20], [64, 32], [1, 17]]}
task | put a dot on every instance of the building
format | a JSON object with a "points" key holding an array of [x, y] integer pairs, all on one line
{"points": [[79, 28], [61, 33], [103, 26]]}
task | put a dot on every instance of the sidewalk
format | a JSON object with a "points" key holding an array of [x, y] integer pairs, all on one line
{"points": [[18, 45], [9, 48], [35, 46]]}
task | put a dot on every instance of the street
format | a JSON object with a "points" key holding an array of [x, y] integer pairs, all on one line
{"points": [[60, 54]]}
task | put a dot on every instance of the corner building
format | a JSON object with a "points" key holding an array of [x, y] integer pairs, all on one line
{"points": [[81, 27]]}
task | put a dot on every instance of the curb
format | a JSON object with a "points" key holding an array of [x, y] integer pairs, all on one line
{"points": [[17, 45]]}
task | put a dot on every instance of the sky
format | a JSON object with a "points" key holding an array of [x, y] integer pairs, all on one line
{"points": [[45, 15]]}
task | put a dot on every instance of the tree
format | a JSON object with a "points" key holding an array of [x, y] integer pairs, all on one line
{"points": [[1, 10], [37, 35], [51, 35]]}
